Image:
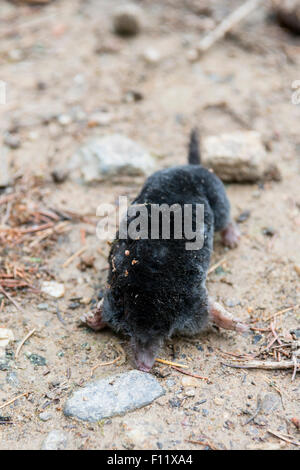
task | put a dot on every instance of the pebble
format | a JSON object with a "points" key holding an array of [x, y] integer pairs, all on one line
{"points": [[256, 339], [6, 336], [12, 140], [269, 231], [43, 306], [37, 360], [127, 20], [56, 440], [5, 177], [115, 395], [297, 269], [64, 120], [175, 403], [235, 157], [110, 156], [45, 416], [151, 56], [218, 401], [54, 289], [243, 216], [12, 379], [141, 434], [189, 392], [190, 382], [100, 119]]}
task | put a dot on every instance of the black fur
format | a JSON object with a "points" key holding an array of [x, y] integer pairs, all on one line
{"points": [[159, 288]]}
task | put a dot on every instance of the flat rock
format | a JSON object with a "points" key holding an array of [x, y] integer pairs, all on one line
{"points": [[56, 440], [115, 395], [235, 157], [109, 156]]}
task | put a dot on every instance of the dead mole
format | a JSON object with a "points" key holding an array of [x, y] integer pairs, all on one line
{"points": [[156, 286]]}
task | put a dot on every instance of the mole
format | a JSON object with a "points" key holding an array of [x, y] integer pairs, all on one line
{"points": [[156, 287]]}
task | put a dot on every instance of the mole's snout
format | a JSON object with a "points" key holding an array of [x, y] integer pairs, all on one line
{"points": [[144, 353]]}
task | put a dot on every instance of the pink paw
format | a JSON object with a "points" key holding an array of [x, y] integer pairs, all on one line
{"points": [[231, 235], [94, 319]]}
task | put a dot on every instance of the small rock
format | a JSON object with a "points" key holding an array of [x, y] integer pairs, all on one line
{"points": [[141, 434], [12, 379], [269, 231], [239, 156], [37, 360], [131, 96], [232, 303], [127, 20], [6, 336], [5, 179], [296, 332], [45, 416], [190, 382], [272, 173], [59, 175], [113, 396], [218, 401], [15, 55], [189, 392], [192, 55], [43, 306], [256, 339], [56, 440], [175, 403], [170, 383], [297, 269], [33, 136], [4, 364], [110, 156], [243, 217], [270, 402], [12, 140], [64, 119], [54, 289], [100, 119], [151, 56]]}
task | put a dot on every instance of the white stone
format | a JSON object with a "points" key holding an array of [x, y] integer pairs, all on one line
{"points": [[54, 289], [151, 56], [239, 156]]}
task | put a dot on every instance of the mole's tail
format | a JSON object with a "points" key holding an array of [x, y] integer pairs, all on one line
{"points": [[194, 157]]}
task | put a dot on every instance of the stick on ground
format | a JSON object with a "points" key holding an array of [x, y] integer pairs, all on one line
{"points": [[227, 24], [23, 341]]}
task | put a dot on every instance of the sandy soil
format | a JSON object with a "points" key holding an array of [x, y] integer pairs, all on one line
{"points": [[64, 59]]}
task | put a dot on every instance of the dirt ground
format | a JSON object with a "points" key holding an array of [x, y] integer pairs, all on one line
{"points": [[64, 59]]}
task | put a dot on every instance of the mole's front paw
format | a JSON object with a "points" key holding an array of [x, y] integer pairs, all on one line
{"points": [[94, 319], [231, 235]]}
